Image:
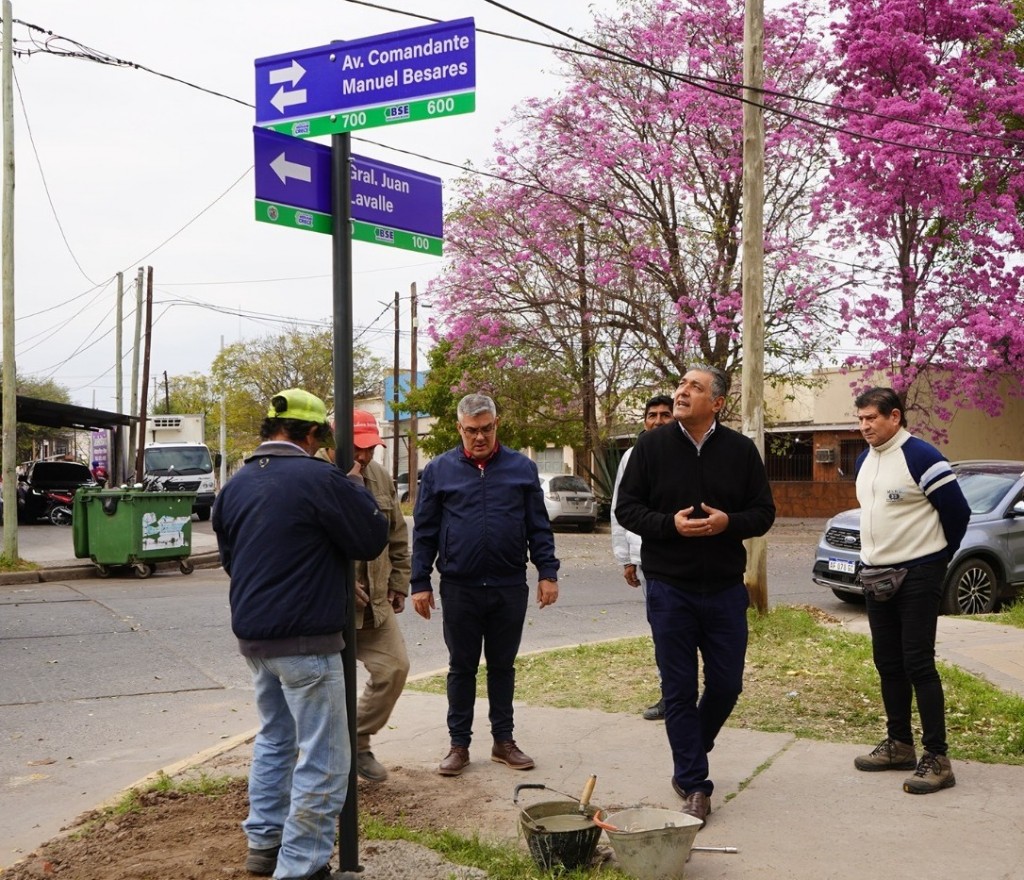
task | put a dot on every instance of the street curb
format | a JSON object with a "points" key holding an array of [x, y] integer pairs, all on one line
{"points": [[83, 570]]}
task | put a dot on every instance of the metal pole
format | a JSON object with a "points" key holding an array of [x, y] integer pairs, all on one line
{"points": [[397, 374], [414, 422], [10, 372], [117, 468], [341, 241], [752, 400]]}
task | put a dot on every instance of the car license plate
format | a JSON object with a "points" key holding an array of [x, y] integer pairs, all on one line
{"points": [[843, 565]]}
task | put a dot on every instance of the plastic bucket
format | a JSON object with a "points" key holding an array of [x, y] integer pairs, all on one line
{"points": [[558, 833], [651, 843]]}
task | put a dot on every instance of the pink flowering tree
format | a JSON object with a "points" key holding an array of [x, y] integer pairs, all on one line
{"points": [[925, 192], [609, 243]]}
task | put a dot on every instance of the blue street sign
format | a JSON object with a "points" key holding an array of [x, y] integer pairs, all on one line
{"points": [[291, 171], [387, 195], [401, 76]]}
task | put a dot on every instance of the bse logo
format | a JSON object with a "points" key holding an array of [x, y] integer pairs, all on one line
{"points": [[386, 235]]}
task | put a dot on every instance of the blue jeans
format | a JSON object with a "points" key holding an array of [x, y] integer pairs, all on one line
{"points": [[683, 624], [487, 619], [300, 760], [903, 645]]}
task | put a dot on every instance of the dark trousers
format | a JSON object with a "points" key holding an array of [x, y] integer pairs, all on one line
{"points": [[488, 620], [903, 644], [684, 624]]}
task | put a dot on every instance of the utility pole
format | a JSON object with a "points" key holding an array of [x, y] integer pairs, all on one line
{"points": [[139, 453], [10, 374], [586, 358], [167, 395], [223, 431], [117, 460], [752, 400], [414, 424], [135, 440], [397, 376]]}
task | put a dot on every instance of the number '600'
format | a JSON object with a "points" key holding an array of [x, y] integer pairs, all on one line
{"points": [[440, 105]]}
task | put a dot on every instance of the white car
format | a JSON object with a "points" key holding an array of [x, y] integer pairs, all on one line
{"points": [[570, 501]]}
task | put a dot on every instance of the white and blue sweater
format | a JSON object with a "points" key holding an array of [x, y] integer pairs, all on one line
{"points": [[912, 510]]}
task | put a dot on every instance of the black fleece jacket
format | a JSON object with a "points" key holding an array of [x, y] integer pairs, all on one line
{"points": [[666, 474]]}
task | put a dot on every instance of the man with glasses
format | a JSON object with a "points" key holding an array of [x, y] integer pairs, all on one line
{"points": [[479, 511]]}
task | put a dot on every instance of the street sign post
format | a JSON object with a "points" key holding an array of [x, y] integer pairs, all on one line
{"points": [[403, 76]]}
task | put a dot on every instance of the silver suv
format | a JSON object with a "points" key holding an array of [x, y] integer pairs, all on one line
{"points": [[987, 569]]}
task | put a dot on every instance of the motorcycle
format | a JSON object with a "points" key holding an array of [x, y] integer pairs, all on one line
{"points": [[58, 507]]}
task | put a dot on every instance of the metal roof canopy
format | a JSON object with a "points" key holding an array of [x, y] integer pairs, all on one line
{"points": [[65, 415]]}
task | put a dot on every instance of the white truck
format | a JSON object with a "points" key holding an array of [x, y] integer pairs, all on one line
{"points": [[176, 454]]}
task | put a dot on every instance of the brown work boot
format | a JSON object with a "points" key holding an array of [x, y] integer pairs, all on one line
{"points": [[933, 773], [889, 754], [455, 761], [507, 752]]}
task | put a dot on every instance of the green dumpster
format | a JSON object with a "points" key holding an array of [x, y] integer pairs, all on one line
{"points": [[132, 527]]}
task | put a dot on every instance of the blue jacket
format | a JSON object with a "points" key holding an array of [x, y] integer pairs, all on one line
{"points": [[286, 526], [481, 525]]}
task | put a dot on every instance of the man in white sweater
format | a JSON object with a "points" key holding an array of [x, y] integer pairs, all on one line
{"points": [[626, 544], [912, 520]]}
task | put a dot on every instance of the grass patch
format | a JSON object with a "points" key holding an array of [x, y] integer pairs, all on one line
{"points": [[8, 564], [802, 677], [1010, 615], [133, 800]]}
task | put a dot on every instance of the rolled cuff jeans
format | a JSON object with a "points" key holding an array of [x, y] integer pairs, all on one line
{"points": [[300, 760]]}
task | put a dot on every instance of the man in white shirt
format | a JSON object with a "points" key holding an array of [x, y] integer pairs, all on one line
{"points": [[626, 544]]}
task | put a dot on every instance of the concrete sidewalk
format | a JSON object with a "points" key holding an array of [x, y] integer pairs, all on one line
{"points": [[796, 809]]}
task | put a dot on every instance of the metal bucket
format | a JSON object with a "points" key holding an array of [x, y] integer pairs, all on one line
{"points": [[650, 843], [558, 832]]}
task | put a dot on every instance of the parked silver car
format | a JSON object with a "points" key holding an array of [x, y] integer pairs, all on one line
{"points": [[987, 569], [570, 501]]}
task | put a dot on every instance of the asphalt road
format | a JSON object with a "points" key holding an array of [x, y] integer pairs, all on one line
{"points": [[106, 681]]}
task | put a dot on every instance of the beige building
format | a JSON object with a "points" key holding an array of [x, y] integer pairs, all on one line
{"points": [[812, 441]]}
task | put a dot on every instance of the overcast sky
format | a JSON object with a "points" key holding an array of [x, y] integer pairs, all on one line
{"points": [[145, 171]]}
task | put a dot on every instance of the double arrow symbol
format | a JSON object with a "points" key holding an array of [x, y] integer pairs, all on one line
{"points": [[291, 74]]}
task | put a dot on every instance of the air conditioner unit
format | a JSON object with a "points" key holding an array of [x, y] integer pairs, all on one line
{"points": [[825, 456]]}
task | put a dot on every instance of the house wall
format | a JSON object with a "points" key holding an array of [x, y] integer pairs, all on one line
{"points": [[826, 410]]}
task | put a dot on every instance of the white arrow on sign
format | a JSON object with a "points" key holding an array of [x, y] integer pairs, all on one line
{"points": [[290, 74], [285, 169], [284, 99]]}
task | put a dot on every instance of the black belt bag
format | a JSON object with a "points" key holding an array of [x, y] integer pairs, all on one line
{"points": [[881, 583]]}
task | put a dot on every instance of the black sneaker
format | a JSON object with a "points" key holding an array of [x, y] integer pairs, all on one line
{"points": [[262, 861], [655, 712]]}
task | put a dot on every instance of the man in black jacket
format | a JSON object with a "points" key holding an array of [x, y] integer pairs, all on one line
{"points": [[286, 526], [693, 491]]}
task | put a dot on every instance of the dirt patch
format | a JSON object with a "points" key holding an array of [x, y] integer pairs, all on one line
{"points": [[176, 836]]}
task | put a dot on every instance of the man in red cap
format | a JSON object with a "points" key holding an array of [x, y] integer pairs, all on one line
{"points": [[382, 585]]}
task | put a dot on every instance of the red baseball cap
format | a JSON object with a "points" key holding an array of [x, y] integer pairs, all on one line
{"points": [[364, 430]]}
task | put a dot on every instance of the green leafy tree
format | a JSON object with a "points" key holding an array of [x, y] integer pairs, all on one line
{"points": [[252, 372], [31, 436], [531, 400]]}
